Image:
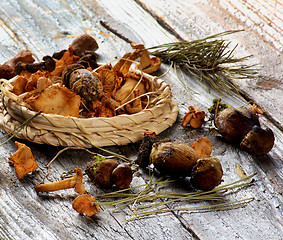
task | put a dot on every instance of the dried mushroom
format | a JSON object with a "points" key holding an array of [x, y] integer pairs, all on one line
{"points": [[147, 64], [82, 81], [84, 43], [75, 182], [194, 117], [23, 160], [67, 59], [23, 56], [7, 70], [203, 147], [85, 204], [70, 83], [48, 64], [55, 99]]}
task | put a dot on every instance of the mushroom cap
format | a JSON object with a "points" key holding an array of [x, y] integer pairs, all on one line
{"points": [[23, 160], [122, 175], [85, 204], [207, 173], [67, 72], [173, 158], [100, 171], [234, 123], [258, 141], [203, 147], [83, 43]]}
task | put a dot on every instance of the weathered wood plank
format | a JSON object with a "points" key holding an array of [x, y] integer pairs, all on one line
{"points": [[50, 216], [198, 19]]}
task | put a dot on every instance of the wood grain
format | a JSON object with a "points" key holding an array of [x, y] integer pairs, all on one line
{"points": [[48, 26]]}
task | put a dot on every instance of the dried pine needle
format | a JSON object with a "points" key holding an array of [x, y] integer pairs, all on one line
{"points": [[210, 59], [151, 192]]}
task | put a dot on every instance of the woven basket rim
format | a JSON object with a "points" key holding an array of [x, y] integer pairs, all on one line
{"points": [[101, 127]]}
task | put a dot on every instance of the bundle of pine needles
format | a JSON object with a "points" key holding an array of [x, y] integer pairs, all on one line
{"points": [[160, 199], [210, 59]]}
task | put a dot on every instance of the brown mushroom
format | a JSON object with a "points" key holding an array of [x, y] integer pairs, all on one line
{"points": [[147, 64], [74, 182], [207, 173], [48, 64], [84, 43], [173, 158], [100, 170], [7, 70], [85, 204], [122, 175], [234, 123], [23, 56], [258, 141], [23, 160]]}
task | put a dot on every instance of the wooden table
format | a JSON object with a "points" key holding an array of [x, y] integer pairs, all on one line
{"points": [[48, 26]]}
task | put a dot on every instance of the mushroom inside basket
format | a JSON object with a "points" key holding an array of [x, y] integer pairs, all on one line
{"points": [[83, 104]]}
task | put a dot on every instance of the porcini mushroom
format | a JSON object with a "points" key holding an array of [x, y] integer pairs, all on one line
{"points": [[84, 43], [234, 123], [74, 182], [258, 141], [173, 158], [100, 170], [194, 117], [207, 173], [23, 160], [85, 204], [147, 64], [122, 175]]}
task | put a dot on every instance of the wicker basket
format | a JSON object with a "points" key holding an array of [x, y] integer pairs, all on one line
{"points": [[59, 130]]}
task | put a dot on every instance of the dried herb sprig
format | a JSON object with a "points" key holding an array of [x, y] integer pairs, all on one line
{"points": [[210, 59]]}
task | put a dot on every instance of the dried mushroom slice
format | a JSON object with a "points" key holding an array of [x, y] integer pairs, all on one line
{"points": [[203, 147], [23, 160], [55, 99]]}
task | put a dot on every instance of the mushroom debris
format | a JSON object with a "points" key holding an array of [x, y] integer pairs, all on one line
{"points": [[23, 160], [70, 83]]}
